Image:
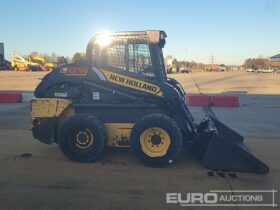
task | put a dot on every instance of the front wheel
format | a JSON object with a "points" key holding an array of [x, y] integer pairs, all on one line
{"points": [[82, 138], [156, 140]]}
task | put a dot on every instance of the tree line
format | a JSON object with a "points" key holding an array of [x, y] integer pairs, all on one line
{"points": [[60, 60], [256, 63], [188, 64], [249, 63]]}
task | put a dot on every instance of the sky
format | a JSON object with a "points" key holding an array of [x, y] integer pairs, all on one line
{"points": [[230, 30]]}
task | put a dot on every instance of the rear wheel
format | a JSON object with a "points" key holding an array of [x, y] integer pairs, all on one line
{"points": [[82, 138], [156, 140]]}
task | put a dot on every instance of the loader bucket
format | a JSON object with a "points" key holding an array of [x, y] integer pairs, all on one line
{"points": [[221, 148]]}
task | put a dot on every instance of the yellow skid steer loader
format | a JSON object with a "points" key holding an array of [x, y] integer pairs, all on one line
{"points": [[121, 97]]}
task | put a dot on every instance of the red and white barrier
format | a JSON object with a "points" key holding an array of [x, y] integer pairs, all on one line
{"points": [[225, 101], [10, 97], [198, 100], [205, 100]]}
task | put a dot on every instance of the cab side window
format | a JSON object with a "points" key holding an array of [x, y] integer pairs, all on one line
{"points": [[130, 57], [115, 56], [140, 59]]}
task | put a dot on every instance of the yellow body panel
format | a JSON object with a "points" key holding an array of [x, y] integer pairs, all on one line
{"points": [[118, 134], [36, 58], [174, 70], [48, 107], [50, 65], [132, 82], [20, 66], [45, 66]]}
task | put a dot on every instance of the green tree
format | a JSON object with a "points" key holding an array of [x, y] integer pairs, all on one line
{"points": [[256, 63], [61, 60], [78, 57]]}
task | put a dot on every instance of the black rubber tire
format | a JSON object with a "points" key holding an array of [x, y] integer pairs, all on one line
{"points": [[173, 130], [71, 127]]}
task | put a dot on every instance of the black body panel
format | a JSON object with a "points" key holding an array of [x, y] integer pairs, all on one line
{"points": [[126, 113], [44, 129], [110, 94]]}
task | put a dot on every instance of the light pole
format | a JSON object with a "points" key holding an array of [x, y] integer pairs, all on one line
{"points": [[186, 51]]}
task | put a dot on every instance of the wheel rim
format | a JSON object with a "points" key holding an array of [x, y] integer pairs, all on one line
{"points": [[84, 138], [155, 142]]}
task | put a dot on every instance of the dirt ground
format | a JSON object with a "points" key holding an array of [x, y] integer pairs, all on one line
{"points": [[38, 176]]}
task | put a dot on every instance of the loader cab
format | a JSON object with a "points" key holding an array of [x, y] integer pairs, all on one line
{"points": [[136, 54]]}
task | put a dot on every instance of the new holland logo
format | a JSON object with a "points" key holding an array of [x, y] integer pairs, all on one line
{"points": [[132, 83]]}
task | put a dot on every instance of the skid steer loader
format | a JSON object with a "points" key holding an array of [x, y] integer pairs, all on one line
{"points": [[121, 97]]}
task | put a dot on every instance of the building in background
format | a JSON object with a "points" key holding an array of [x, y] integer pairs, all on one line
{"points": [[2, 57], [275, 62]]}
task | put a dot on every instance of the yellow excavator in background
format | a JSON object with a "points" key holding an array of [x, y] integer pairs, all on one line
{"points": [[18, 63], [44, 65], [33, 63]]}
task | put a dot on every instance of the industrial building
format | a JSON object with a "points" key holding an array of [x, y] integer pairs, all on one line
{"points": [[2, 57], [275, 61]]}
